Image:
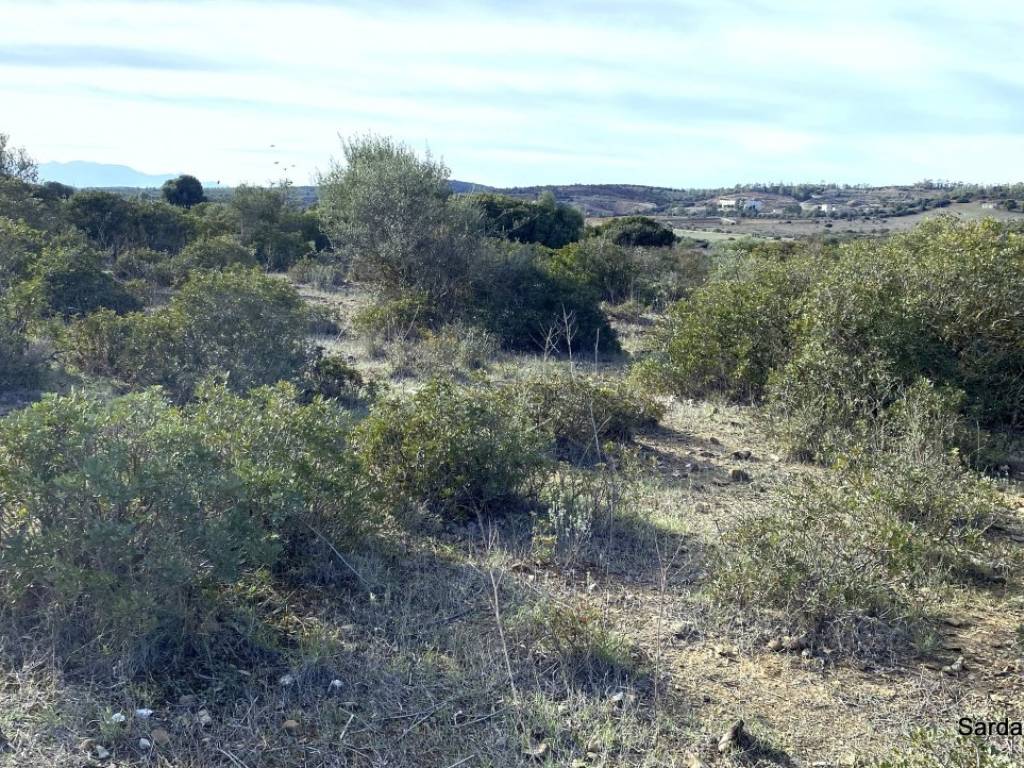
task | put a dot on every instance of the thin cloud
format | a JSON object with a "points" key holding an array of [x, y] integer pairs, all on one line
{"points": [[102, 56], [661, 92]]}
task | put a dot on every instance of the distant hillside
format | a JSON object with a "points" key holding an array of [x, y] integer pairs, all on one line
{"points": [[81, 173]]}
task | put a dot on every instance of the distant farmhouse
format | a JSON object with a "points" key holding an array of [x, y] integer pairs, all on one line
{"points": [[744, 204], [823, 205]]}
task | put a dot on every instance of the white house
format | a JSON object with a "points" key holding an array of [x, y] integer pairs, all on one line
{"points": [[727, 202]]}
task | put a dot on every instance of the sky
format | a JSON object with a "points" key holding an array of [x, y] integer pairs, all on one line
{"points": [[679, 93]]}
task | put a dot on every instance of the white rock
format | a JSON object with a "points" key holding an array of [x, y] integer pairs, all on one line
{"points": [[143, 714], [145, 744], [336, 684]]}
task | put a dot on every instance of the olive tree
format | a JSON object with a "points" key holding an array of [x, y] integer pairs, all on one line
{"points": [[15, 162], [390, 213]]}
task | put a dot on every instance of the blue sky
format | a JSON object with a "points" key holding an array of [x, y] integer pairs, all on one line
{"points": [[661, 92]]}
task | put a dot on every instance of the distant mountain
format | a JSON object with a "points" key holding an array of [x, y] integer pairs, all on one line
{"points": [[81, 173], [465, 187]]}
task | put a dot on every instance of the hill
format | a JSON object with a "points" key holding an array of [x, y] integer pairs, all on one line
{"points": [[82, 173]]}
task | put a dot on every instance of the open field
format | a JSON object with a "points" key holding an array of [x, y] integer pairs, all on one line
{"points": [[763, 226]]}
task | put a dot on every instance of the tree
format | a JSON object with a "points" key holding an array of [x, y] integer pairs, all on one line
{"points": [[544, 221], [184, 191], [269, 225], [15, 162], [637, 231], [54, 190], [389, 212]]}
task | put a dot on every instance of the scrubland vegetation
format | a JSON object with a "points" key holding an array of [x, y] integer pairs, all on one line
{"points": [[415, 478]]}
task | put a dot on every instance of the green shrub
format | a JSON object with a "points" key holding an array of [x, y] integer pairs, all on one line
{"points": [[940, 303], [578, 641], [667, 275], [210, 253], [609, 270], [844, 557], [334, 378], [518, 298], [20, 246], [396, 318], [459, 347], [270, 226], [18, 368], [122, 521], [732, 332], [69, 281], [454, 450], [636, 231], [391, 215], [114, 223], [239, 322], [323, 320], [142, 264], [581, 413], [584, 506], [543, 221]]}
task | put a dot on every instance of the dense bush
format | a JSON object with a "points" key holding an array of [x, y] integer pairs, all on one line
{"points": [[581, 413], [845, 556], [831, 341], [143, 264], [270, 226], [636, 231], [941, 303], [183, 191], [20, 246], [114, 223], [207, 253], [18, 368], [334, 378], [401, 317], [732, 332], [524, 303], [543, 221], [610, 270], [239, 322], [123, 520], [68, 280], [453, 450]]}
